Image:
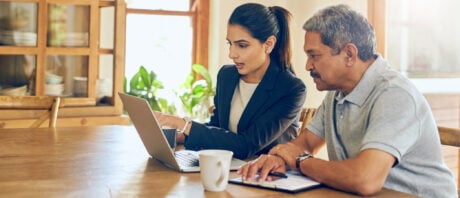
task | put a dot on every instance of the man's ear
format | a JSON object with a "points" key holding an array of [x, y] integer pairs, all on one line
{"points": [[270, 44], [351, 52]]}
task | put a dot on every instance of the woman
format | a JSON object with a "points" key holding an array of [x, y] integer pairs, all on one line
{"points": [[258, 98]]}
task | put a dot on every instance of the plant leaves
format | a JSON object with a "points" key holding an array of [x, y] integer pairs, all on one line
{"points": [[133, 83], [145, 77], [200, 69]]}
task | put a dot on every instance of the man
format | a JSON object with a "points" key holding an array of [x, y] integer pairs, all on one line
{"points": [[378, 128]]}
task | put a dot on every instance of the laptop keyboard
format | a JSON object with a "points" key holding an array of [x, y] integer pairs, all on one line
{"points": [[187, 159]]}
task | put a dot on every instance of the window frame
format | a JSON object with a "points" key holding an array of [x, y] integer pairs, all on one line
{"points": [[376, 14], [199, 13]]}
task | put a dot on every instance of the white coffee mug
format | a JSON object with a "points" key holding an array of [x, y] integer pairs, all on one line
{"points": [[215, 168]]}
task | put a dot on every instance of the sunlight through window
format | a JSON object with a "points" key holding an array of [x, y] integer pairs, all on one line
{"points": [[160, 43]]}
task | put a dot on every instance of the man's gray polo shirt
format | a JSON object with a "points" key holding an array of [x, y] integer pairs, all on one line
{"points": [[386, 112]]}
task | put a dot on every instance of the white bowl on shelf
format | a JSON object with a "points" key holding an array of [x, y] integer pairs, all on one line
{"points": [[51, 78], [14, 91], [54, 89], [25, 38]]}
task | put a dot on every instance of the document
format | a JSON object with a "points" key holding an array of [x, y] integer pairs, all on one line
{"points": [[295, 182]]}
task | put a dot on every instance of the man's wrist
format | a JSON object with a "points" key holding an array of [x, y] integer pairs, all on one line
{"points": [[301, 158]]}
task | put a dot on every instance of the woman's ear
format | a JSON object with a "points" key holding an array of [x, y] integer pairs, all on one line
{"points": [[270, 44]]}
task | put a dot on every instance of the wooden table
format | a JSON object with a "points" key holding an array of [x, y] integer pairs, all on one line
{"points": [[105, 161]]}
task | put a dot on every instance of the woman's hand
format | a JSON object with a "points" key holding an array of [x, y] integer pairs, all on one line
{"points": [[169, 120], [180, 138]]}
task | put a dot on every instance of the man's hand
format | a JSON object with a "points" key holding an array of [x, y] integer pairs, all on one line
{"points": [[262, 166], [288, 152]]}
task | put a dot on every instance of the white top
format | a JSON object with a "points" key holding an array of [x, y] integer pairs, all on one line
{"points": [[241, 96]]}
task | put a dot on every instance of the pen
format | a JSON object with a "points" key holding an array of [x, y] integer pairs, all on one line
{"points": [[277, 174]]}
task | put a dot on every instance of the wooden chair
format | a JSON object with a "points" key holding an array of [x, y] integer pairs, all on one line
{"points": [[48, 104], [305, 116], [451, 137]]}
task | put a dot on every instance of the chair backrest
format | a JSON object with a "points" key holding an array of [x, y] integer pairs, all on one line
{"points": [[305, 116], [49, 104], [451, 137]]}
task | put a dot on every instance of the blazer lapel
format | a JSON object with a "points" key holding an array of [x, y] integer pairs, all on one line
{"points": [[260, 96], [226, 98]]}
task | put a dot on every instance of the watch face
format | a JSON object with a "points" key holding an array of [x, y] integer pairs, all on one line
{"points": [[300, 158], [304, 156]]}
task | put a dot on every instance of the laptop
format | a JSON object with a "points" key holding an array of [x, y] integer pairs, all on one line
{"points": [[154, 140]]}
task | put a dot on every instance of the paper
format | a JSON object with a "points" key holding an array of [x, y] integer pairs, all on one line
{"points": [[295, 182]]}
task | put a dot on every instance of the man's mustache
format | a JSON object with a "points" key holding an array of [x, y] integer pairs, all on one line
{"points": [[315, 74]]}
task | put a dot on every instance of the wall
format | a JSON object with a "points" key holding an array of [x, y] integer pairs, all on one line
{"points": [[301, 11]]}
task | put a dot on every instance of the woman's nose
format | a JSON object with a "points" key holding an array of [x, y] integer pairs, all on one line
{"points": [[232, 54]]}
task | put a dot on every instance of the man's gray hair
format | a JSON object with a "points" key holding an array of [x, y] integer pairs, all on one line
{"points": [[339, 25]]}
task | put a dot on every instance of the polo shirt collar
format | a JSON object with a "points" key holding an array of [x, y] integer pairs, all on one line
{"points": [[367, 83]]}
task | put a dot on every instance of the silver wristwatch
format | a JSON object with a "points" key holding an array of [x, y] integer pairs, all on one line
{"points": [[300, 158]]}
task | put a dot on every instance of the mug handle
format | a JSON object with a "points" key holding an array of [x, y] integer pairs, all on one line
{"points": [[222, 174]]}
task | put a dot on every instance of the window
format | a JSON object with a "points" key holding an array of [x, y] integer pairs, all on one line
{"points": [[419, 38], [163, 36], [422, 37]]}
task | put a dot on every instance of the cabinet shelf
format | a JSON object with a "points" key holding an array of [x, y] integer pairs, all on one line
{"points": [[16, 50]]}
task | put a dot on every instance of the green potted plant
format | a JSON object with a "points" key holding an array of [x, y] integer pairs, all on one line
{"points": [[145, 84], [196, 94]]}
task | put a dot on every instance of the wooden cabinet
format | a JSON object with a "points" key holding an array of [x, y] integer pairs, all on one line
{"points": [[68, 48]]}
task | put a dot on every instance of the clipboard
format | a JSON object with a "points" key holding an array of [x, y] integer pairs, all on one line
{"points": [[294, 183]]}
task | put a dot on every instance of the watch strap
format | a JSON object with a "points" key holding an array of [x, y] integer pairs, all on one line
{"points": [[300, 158]]}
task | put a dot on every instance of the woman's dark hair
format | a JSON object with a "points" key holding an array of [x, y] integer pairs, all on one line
{"points": [[263, 22]]}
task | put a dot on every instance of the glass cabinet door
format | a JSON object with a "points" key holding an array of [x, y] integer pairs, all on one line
{"points": [[66, 75], [17, 75], [18, 24], [105, 77], [18, 27], [68, 25], [104, 83]]}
